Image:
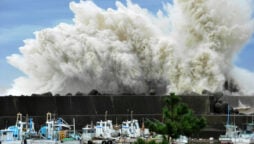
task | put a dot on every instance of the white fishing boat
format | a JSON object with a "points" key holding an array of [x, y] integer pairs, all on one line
{"points": [[130, 128], [235, 136], [232, 134], [104, 129], [102, 132], [7, 137], [247, 136], [88, 134], [181, 140]]}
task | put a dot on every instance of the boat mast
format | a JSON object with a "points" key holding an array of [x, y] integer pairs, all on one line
{"points": [[74, 126], [228, 116], [106, 114], [131, 115]]}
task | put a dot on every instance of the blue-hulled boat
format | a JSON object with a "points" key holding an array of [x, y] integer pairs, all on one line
{"points": [[19, 132]]}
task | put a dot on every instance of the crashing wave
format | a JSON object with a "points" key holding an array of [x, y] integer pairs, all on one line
{"points": [[187, 47]]}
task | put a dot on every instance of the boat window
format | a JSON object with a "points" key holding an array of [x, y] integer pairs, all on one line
{"points": [[84, 131], [91, 131], [136, 125]]}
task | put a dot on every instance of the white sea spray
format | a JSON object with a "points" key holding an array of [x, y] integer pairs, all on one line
{"points": [[189, 46]]}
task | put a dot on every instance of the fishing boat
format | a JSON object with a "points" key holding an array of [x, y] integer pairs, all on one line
{"points": [[181, 140], [234, 135], [102, 132], [88, 134], [19, 132], [130, 128], [56, 132]]}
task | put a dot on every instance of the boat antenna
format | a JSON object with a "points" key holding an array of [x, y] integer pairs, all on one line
{"points": [[92, 124], [228, 116], [19, 117], [106, 113], [131, 115], [27, 121], [234, 118], [74, 126], [143, 124], [48, 116]]}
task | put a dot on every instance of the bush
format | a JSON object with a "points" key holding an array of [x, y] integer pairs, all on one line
{"points": [[142, 141], [178, 119]]}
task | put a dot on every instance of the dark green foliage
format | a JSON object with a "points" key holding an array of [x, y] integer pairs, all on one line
{"points": [[177, 119], [152, 142], [141, 141]]}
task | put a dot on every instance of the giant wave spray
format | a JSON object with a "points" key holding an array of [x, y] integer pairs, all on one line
{"points": [[188, 46]]}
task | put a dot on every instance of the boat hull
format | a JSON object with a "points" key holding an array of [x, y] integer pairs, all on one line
{"points": [[51, 142], [236, 141], [12, 142]]}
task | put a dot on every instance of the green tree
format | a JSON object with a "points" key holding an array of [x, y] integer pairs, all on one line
{"points": [[177, 119]]}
